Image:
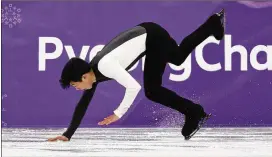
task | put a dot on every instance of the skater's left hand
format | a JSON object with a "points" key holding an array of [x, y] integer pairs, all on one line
{"points": [[109, 120]]}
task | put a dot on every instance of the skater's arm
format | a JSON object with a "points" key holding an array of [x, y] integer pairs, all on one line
{"points": [[80, 111], [112, 69]]}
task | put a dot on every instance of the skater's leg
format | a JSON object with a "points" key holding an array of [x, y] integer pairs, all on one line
{"points": [[212, 26], [155, 63]]}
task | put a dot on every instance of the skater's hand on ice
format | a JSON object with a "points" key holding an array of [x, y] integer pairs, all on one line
{"points": [[61, 138], [109, 120]]}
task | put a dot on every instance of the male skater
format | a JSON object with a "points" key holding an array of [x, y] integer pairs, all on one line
{"points": [[121, 53]]}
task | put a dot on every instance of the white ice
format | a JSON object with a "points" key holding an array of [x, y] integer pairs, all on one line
{"points": [[140, 142]]}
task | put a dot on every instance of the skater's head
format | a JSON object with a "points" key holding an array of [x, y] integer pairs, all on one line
{"points": [[77, 73]]}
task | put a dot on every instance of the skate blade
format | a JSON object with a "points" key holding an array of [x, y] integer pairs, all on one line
{"points": [[224, 22], [221, 12], [202, 122], [222, 16]]}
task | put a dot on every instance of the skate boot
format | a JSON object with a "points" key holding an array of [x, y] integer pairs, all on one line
{"points": [[216, 24], [193, 123]]}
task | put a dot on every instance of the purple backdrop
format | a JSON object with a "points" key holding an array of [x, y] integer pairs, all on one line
{"points": [[34, 98]]}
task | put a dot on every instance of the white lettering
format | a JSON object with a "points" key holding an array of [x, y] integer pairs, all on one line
{"points": [[230, 50], [43, 55], [253, 57], [199, 55]]}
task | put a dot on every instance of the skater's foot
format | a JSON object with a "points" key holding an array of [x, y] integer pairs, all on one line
{"points": [[196, 126], [193, 123], [216, 24]]}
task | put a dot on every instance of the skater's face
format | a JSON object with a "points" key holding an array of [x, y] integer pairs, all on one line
{"points": [[86, 82]]}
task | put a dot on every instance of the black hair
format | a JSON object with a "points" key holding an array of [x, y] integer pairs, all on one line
{"points": [[73, 71]]}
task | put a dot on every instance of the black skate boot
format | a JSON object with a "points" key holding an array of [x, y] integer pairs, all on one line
{"points": [[193, 123], [216, 24]]}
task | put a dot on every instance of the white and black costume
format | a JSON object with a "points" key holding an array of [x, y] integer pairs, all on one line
{"points": [[122, 52]]}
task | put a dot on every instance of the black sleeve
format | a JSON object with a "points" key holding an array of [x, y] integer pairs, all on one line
{"points": [[80, 111]]}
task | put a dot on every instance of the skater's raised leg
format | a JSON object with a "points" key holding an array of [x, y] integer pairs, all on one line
{"points": [[214, 26]]}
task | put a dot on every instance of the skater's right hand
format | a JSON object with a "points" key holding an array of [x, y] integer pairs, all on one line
{"points": [[61, 138]]}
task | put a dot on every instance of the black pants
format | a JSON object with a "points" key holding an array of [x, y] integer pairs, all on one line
{"points": [[162, 49]]}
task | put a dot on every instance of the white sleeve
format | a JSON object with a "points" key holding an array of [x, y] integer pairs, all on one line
{"points": [[111, 68]]}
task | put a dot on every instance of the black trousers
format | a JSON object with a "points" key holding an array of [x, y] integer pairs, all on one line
{"points": [[160, 50]]}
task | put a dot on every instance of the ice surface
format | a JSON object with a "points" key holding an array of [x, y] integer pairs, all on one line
{"points": [[140, 142]]}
